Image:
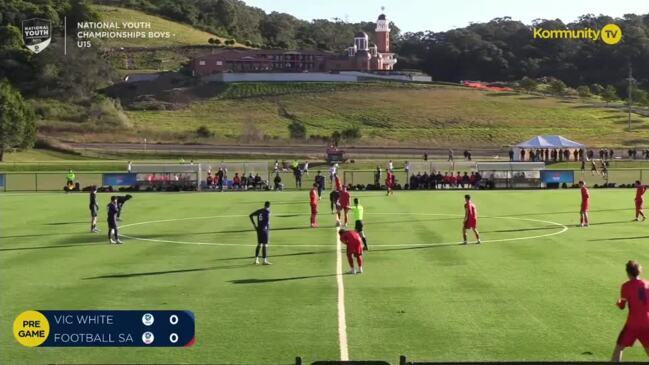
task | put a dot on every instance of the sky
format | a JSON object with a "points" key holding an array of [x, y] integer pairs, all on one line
{"points": [[441, 15]]}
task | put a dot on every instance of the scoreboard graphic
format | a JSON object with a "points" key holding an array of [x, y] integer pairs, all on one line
{"points": [[105, 328]]}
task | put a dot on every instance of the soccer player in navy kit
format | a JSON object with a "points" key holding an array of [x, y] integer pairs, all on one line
{"points": [[112, 220], [121, 200], [262, 227], [94, 209]]}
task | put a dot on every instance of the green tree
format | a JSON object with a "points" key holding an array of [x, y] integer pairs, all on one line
{"points": [[596, 89], [528, 84], [351, 134], [297, 130], [557, 87], [583, 91], [609, 94], [639, 96], [17, 127]]}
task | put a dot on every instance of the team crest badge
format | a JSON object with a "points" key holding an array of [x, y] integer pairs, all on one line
{"points": [[37, 34]]}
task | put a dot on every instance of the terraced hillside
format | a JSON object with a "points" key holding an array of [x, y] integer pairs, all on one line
{"points": [[385, 114]]}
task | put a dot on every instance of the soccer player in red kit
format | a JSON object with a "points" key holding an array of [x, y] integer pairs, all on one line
{"points": [[470, 219], [635, 293], [313, 201], [344, 201], [338, 184], [389, 182], [585, 204], [639, 200], [354, 245]]}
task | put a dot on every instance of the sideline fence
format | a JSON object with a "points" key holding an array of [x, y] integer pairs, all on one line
{"points": [[54, 181]]}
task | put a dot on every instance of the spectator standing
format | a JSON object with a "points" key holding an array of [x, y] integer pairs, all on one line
{"points": [[306, 168], [129, 167], [236, 181], [450, 155], [278, 182], [390, 165], [333, 170], [320, 184], [407, 168], [511, 155], [298, 178], [377, 176]]}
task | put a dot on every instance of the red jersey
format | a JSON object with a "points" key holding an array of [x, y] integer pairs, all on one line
{"points": [[585, 195], [313, 197], [344, 199], [639, 192], [635, 292], [389, 179], [353, 241], [471, 212]]}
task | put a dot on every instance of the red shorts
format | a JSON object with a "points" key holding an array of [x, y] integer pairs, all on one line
{"points": [[356, 251], [471, 224], [638, 203], [629, 335], [584, 207], [314, 208]]}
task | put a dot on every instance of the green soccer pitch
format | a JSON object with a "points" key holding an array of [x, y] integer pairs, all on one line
{"points": [[538, 288]]}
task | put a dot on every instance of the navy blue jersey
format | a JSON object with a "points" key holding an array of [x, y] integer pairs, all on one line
{"points": [[93, 200], [334, 196], [263, 219], [112, 212]]}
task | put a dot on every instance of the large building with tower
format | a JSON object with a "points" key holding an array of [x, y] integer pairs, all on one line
{"points": [[362, 56]]}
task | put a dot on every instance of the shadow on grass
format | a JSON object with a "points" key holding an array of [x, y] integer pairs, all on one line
{"points": [[611, 222], [576, 212], [282, 255], [523, 229], [441, 245], [44, 247], [532, 98], [155, 273], [619, 238], [35, 235], [62, 223], [501, 93], [262, 281]]}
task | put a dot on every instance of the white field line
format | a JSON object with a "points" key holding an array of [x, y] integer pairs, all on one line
{"points": [[563, 229], [342, 321]]}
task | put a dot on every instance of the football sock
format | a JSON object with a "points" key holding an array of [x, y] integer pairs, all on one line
{"points": [[257, 250], [350, 259], [264, 250]]}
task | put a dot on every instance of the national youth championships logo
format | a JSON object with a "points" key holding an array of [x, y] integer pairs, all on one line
{"points": [[37, 34], [609, 34]]}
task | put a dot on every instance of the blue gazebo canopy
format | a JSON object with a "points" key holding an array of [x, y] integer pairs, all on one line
{"points": [[549, 142]]}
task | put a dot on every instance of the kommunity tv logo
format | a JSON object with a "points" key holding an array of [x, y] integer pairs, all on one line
{"points": [[610, 34]]}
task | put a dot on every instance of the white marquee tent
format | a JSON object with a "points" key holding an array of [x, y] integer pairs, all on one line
{"points": [[546, 142]]}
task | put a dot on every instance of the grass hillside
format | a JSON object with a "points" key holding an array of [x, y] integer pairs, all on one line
{"points": [[181, 34], [417, 115], [385, 114]]}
